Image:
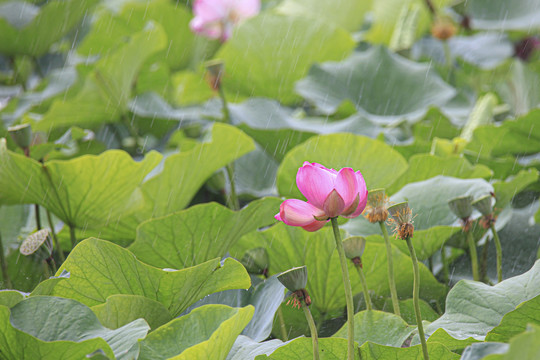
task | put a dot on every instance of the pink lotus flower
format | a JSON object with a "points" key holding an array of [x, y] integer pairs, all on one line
{"points": [[329, 193], [216, 18]]}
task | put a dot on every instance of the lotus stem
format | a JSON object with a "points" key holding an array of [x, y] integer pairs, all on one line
{"points": [[416, 299], [348, 290], [499, 252], [474, 256], [3, 263], [55, 238], [390, 263], [72, 236], [313, 330], [232, 199], [282, 326], [445, 270], [364, 287]]}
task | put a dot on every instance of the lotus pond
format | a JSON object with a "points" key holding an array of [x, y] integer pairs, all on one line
{"points": [[275, 179]]}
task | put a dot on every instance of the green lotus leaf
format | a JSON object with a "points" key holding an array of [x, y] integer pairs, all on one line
{"points": [[65, 187], [26, 29], [279, 57], [516, 321], [44, 324], [502, 15], [348, 14], [199, 233], [278, 130], [428, 199], [426, 166], [473, 308], [383, 86], [302, 348], [207, 332], [378, 327], [99, 269], [525, 346], [371, 351], [120, 310], [106, 89]]}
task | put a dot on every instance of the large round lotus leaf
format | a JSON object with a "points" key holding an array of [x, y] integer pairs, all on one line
{"points": [[503, 14], [31, 30], [382, 85], [268, 53]]}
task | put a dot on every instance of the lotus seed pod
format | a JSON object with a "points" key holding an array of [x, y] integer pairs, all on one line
{"points": [[401, 212], [294, 279], [21, 135], [484, 205], [377, 203], [461, 206], [38, 243], [354, 246], [256, 261]]}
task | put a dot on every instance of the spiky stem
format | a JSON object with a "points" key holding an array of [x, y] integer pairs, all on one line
{"points": [[390, 263], [55, 238], [3, 263], [313, 330], [233, 199], [416, 299], [474, 256], [282, 326], [499, 252], [364, 287], [348, 290]]}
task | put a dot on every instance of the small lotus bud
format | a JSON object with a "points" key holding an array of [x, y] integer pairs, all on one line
{"points": [[354, 246], [461, 206], [294, 279], [377, 204], [215, 69], [21, 135], [38, 243], [484, 205], [256, 261], [443, 28]]}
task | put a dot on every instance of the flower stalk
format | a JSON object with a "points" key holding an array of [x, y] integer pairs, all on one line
{"points": [[390, 264], [462, 207], [3, 263], [416, 298], [402, 217], [377, 212], [348, 289], [215, 70], [295, 280], [499, 252], [485, 206]]}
